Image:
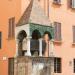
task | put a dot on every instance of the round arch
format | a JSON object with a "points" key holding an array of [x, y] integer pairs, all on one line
{"points": [[36, 34], [49, 35], [21, 36]]}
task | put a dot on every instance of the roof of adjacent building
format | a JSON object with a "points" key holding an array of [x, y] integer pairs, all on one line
{"points": [[34, 14]]}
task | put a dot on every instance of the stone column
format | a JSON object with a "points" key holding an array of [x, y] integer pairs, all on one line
{"points": [[17, 41], [24, 44], [28, 53], [40, 47], [51, 48], [52, 66]]}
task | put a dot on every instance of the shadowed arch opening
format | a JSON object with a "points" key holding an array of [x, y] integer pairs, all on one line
{"points": [[22, 34], [46, 39], [49, 35], [21, 44], [36, 35]]}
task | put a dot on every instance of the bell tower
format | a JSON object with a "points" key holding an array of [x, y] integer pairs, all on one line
{"points": [[33, 33]]}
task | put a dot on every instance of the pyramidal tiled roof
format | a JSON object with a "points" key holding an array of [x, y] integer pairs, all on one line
{"points": [[34, 14]]}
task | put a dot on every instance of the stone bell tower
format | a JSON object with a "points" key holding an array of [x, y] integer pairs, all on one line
{"points": [[30, 31]]}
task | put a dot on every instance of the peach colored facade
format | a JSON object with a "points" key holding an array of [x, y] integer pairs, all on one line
{"points": [[65, 50]]}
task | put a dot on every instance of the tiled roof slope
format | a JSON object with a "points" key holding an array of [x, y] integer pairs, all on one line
{"points": [[34, 14]]}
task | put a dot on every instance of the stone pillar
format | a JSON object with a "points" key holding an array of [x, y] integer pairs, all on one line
{"points": [[51, 48], [47, 49], [24, 44], [40, 47], [17, 41], [52, 66], [28, 53]]}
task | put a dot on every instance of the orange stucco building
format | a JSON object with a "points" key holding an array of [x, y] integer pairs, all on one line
{"points": [[9, 8], [60, 12]]}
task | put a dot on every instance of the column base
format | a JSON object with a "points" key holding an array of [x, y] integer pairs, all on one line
{"points": [[40, 55], [16, 55], [28, 54]]}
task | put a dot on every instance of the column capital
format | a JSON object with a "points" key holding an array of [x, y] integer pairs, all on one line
{"points": [[40, 39], [40, 47], [28, 37], [52, 40]]}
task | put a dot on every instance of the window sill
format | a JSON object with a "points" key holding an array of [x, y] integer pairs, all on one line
{"points": [[73, 44], [57, 72], [72, 8], [11, 38], [55, 3], [58, 42]]}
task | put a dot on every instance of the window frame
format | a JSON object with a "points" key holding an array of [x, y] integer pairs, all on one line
{"points": [[73, 30], [0, 39], [57, 65], [73, 65], [11, 29], [57, 2], [71, 4], [57, 28]]}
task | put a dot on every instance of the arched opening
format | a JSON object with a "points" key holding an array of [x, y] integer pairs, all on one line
{"points": [[35, 42], [36, 35], [46, 39], [21, 37], [47, 36]]}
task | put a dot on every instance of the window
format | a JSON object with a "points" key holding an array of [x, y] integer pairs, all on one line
{"points": [[71, 3], [11, 30], [57, 31], [57, 65], [74, 65], [38, 0], [0, 40], [73, 34], [11, 66], [56, 1]]}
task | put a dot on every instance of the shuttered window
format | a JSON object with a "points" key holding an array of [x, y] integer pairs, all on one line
{"points": [[38, 0], [73, 34], [71, 3], [11, 66], [74, 65], [11, 31], [57, 65], [57, 1], [0, 40], [57, 31]]}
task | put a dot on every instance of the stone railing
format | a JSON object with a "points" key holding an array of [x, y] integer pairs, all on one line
{"points": [[31, 66]]}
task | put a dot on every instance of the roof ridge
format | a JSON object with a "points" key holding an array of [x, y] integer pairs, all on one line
{"points": [[25, 13]]}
